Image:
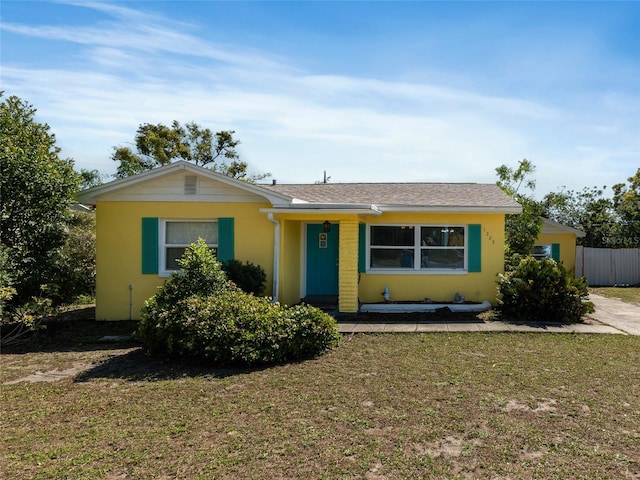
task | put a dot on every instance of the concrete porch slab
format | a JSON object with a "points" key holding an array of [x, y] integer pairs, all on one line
{"points": [[423, 307]]}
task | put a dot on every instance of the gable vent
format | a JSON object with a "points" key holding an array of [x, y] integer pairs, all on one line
{"points": [[190, 185]]}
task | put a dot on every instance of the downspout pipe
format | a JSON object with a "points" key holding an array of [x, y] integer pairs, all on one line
{"points": [[130, 301], [276, 257]]}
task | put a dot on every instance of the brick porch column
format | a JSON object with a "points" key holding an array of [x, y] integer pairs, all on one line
{"points": [[348, 267]]}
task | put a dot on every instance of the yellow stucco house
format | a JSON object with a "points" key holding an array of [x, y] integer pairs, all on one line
{"points": [[320, 240], [558, 241]]}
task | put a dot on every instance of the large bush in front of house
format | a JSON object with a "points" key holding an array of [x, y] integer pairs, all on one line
{"points": [[248, 276], [199, 313], [543, 291]]}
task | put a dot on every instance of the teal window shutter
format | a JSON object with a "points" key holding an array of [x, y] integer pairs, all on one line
{"points": [[555, 251], [150, 245], [362, 248], [225, 240], [474, 245]]}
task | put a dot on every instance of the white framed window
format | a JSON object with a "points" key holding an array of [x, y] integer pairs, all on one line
{"points": [[176, 235], [417, 247]]}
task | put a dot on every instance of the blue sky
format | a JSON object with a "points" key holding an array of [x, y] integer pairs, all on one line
{"points": [[368, 91]]}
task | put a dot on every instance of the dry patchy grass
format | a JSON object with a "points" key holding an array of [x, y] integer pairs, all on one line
{"points": [[469, 405]]}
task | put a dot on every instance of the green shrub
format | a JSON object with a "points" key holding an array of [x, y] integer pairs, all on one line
{"points": [[74, 272], [309, 330], [200, 274], [512, 260], [248, 276], [7, 291], [543, 291], [198, 313]]}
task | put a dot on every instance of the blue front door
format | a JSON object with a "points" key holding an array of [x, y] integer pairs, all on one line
{"points": [[322, 260]]}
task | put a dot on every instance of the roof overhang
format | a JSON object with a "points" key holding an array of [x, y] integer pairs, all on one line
{"points": [[450, 209], [551, 227], [325, 209]]}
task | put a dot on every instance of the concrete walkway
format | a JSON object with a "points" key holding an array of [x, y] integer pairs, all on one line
{"points": [[616, 313], [611, 316]]}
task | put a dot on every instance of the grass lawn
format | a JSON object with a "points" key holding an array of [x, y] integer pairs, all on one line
{"points": [[390, 406], [626, 294]]}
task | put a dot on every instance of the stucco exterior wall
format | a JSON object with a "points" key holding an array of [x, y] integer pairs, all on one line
{"points": [[475, 286], [119, 250], [567, 242], [119, 254], [290, 261]]}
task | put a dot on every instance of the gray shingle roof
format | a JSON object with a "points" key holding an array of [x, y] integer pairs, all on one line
{"points": [[400, 194]]}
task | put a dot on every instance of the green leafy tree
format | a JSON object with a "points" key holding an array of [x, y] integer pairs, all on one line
{"points": [[158, 145], [521, 230], [588, 210], [7, 291], [74, 273], [626, 202], [510, 180], [564, 207], [90, 178], [607, 221], [37, 188]]}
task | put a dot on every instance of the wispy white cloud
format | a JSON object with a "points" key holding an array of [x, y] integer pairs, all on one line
{"points": [[140, 32], [138, 67], [422, 95]]}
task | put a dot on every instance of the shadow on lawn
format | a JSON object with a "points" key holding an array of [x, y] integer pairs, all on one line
{"points": [[498, 316], [62, 335], [542, 325], [135, 366], [121, 357]]}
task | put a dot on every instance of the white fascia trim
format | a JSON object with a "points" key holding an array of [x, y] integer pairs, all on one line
{"points": [[551, 227], [448, 209], [325, 209], [88, 196]]}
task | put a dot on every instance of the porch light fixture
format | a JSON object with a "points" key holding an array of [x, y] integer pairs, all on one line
{"points": [[326, 226]]}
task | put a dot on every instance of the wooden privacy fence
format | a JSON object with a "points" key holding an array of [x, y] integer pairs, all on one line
{"points": [[608, 266]]}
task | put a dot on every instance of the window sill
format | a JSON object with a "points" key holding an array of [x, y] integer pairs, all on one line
{"points": [[407, 271]]}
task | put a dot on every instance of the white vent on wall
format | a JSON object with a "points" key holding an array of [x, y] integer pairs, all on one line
{"points": [[190, 185]]}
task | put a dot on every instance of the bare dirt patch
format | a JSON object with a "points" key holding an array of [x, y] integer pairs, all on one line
{"points": [[450, 446], [51, 375], [544, 406]]}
